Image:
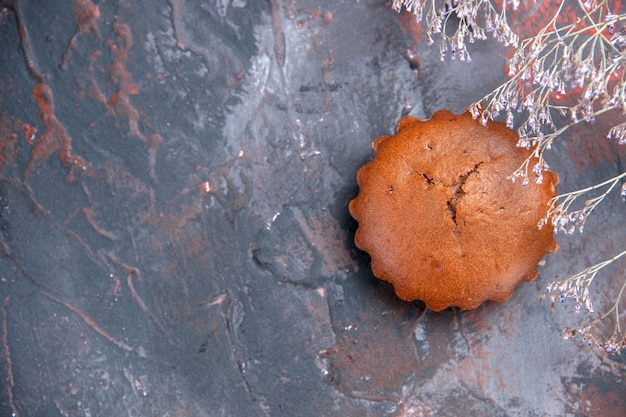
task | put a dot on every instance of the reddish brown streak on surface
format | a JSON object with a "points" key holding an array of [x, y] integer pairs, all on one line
{"points": [[9, 382], [154, 141], [92, 90], [29, 133], [90, 322], [538, 15], [130, 272], [408, 23], [66, 56], [602, 401], [73, 235], [328, 18], [176, 22], [55, 137], [279, 35], [28, 53], [8, 140], [87, 15], [129, 282], [89, 216], [231, 81], [119, 103]]}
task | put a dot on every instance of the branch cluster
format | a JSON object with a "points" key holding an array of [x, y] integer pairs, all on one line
{"points": [[470, 20], [573, 72], [569, 72]]}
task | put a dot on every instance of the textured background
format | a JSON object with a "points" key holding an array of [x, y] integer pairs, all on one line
{"points": [[174, 234]]}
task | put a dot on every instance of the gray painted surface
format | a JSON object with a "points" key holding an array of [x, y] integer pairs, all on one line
{"points": [[197, 260]]}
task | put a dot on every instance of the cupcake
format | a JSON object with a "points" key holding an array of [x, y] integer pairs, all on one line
{"points": [[440, 218]]}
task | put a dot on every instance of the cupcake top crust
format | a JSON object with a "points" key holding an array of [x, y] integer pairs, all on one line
{"points": [[440, 218]]}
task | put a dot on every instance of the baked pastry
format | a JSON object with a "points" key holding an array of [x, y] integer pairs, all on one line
{"points": [[441, 220]]}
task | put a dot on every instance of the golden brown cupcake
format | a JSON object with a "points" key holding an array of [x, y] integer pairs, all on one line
{"points": [[441, 220]]}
